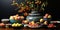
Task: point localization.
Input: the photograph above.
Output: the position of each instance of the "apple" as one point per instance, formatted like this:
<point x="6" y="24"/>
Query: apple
<point x="51" y="25"/>
<point x="31" y="23"/>
<point x="2" y="24"/>
<point x="25" y="14"/>
<point x="21" y="17"/>
<point x="16" y="18"/>
<point x="25" y="21"/>
<point x="11" y="17"/>
<point x="20" y="10"/>
<point x="27" y="8"/>
<point x="45" y="23"/>
<point x="46" y="14"/>
<point x="49" y="16"/>
<point x="41" y="20"/>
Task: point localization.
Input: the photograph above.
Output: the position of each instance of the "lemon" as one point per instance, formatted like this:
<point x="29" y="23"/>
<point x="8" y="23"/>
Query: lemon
<point x="15" y="25"/>
<point x="12" y="25"/>
<point x="19" y="24"/>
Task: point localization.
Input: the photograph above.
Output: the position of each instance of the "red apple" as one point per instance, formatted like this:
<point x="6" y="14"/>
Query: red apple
<point x="51" y="25"/>
<point x="2" y="24"/>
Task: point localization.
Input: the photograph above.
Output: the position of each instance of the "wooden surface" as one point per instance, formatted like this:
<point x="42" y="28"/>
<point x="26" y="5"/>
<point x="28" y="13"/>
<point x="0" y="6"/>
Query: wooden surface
<point x="23" y="29"/>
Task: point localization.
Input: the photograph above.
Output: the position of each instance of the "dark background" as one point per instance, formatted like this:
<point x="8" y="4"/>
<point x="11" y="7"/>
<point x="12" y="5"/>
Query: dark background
<point x="6" y="9"/>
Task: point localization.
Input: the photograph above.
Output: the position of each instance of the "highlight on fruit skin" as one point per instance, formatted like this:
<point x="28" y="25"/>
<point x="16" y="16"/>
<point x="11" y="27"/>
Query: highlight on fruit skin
<point x="16" y="25"/>
<point x="49" y="16"/>
<point x="33" y="24"/>
<point x="41" y="20"/>
<point x="21" y="17"/>
<point x="2" y="24"/>
<point x="46" y="15"/>
<point x="37" y="2"/>
<point x="11" y="17"/>
<point x="45" y="23"/>
<point x="51" y="25"/>
<point x="25" y="21"/>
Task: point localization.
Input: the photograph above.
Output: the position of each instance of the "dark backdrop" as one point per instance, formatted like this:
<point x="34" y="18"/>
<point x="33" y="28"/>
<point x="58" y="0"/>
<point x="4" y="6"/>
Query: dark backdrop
<point x="6" y="9"/>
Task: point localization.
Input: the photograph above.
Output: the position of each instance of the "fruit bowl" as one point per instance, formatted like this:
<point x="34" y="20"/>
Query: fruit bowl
<point x="14" y="21"/>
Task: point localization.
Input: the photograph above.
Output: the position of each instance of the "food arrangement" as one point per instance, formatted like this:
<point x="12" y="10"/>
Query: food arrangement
<point x="30" y="14"/>
<point x="16" y="25"/>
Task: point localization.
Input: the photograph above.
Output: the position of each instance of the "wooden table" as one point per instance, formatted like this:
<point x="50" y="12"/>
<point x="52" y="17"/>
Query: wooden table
<point x="25" y="29"/>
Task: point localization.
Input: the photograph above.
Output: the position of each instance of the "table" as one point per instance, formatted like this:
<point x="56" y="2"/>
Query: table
<point x="25" y="29"/>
